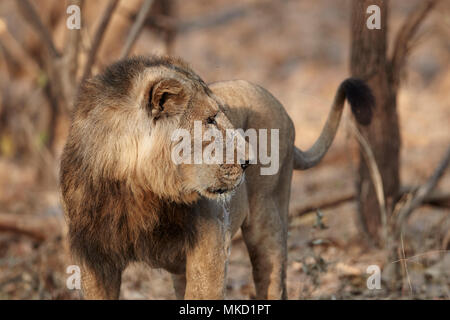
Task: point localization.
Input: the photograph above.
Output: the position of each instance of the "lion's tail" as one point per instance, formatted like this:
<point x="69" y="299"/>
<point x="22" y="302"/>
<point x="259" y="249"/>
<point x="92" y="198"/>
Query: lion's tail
<point x="361" y="100"/>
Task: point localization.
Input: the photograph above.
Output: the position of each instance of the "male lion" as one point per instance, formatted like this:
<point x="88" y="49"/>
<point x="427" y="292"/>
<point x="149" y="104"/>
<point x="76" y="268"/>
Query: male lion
<point x="126" y="200"/>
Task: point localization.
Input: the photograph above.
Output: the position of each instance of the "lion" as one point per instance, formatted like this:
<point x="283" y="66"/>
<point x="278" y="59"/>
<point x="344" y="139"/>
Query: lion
<point x="125" y="200"/>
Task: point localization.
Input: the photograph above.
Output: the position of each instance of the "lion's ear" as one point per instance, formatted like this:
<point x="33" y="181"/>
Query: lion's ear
<point x="166" y="97"/>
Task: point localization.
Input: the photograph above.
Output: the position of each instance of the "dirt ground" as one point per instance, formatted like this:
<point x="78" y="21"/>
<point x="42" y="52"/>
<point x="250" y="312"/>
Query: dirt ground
<point x="298" y="50"/>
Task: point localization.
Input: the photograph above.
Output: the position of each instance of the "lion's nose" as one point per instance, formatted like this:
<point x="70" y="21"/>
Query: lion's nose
<point x="245" y="164"/>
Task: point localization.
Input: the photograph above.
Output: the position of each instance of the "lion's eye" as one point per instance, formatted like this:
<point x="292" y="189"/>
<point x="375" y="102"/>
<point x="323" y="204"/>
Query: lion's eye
<point x="211" y="120"/>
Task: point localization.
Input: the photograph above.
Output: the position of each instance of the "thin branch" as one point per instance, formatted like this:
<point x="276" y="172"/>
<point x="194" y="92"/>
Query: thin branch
<point x="208" y="20"/>
<point x="15" y="52"/>
<point x="136" y="28"/>
<point x="98" y="38"/>
<point x="70" y="64"/>
<point x="375" y="175"/>
<point x="32" y="17"/>
<point x="407" y="32"/>
<point x="435" y="198"/>
<point x="423" y="191"/>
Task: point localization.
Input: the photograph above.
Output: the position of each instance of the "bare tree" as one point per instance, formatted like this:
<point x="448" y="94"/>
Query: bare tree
<point x="62" y="66"/>
<point x="370" y="60"/>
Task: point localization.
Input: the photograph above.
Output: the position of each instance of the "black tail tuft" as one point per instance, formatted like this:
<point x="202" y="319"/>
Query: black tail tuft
<point x="361" y="99"/>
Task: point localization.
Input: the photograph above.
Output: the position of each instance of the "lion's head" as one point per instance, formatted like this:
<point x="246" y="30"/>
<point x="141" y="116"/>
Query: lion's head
<point x="127" y="116"/>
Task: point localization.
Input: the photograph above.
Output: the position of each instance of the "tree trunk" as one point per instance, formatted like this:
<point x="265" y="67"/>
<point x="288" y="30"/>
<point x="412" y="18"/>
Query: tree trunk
<point x="369" y="61"/>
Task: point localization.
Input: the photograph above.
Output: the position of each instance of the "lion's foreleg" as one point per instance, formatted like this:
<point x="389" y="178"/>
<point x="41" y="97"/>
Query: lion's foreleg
<point x="96" y="288"/>
<point x="206" y="263"/>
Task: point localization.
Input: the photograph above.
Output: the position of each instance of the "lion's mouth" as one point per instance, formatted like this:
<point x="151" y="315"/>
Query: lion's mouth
<point x="219" y="190"/>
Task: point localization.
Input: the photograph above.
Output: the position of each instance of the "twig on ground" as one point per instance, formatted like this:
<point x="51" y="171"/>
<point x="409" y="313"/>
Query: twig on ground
<point x="435" y="198"/>
<point x="405" y="265"/>
<point x="324" y="204"/>
<point x="37" y="228"/>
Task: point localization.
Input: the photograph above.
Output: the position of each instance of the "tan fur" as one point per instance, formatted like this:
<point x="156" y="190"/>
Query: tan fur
<point x="126" y="201"/>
